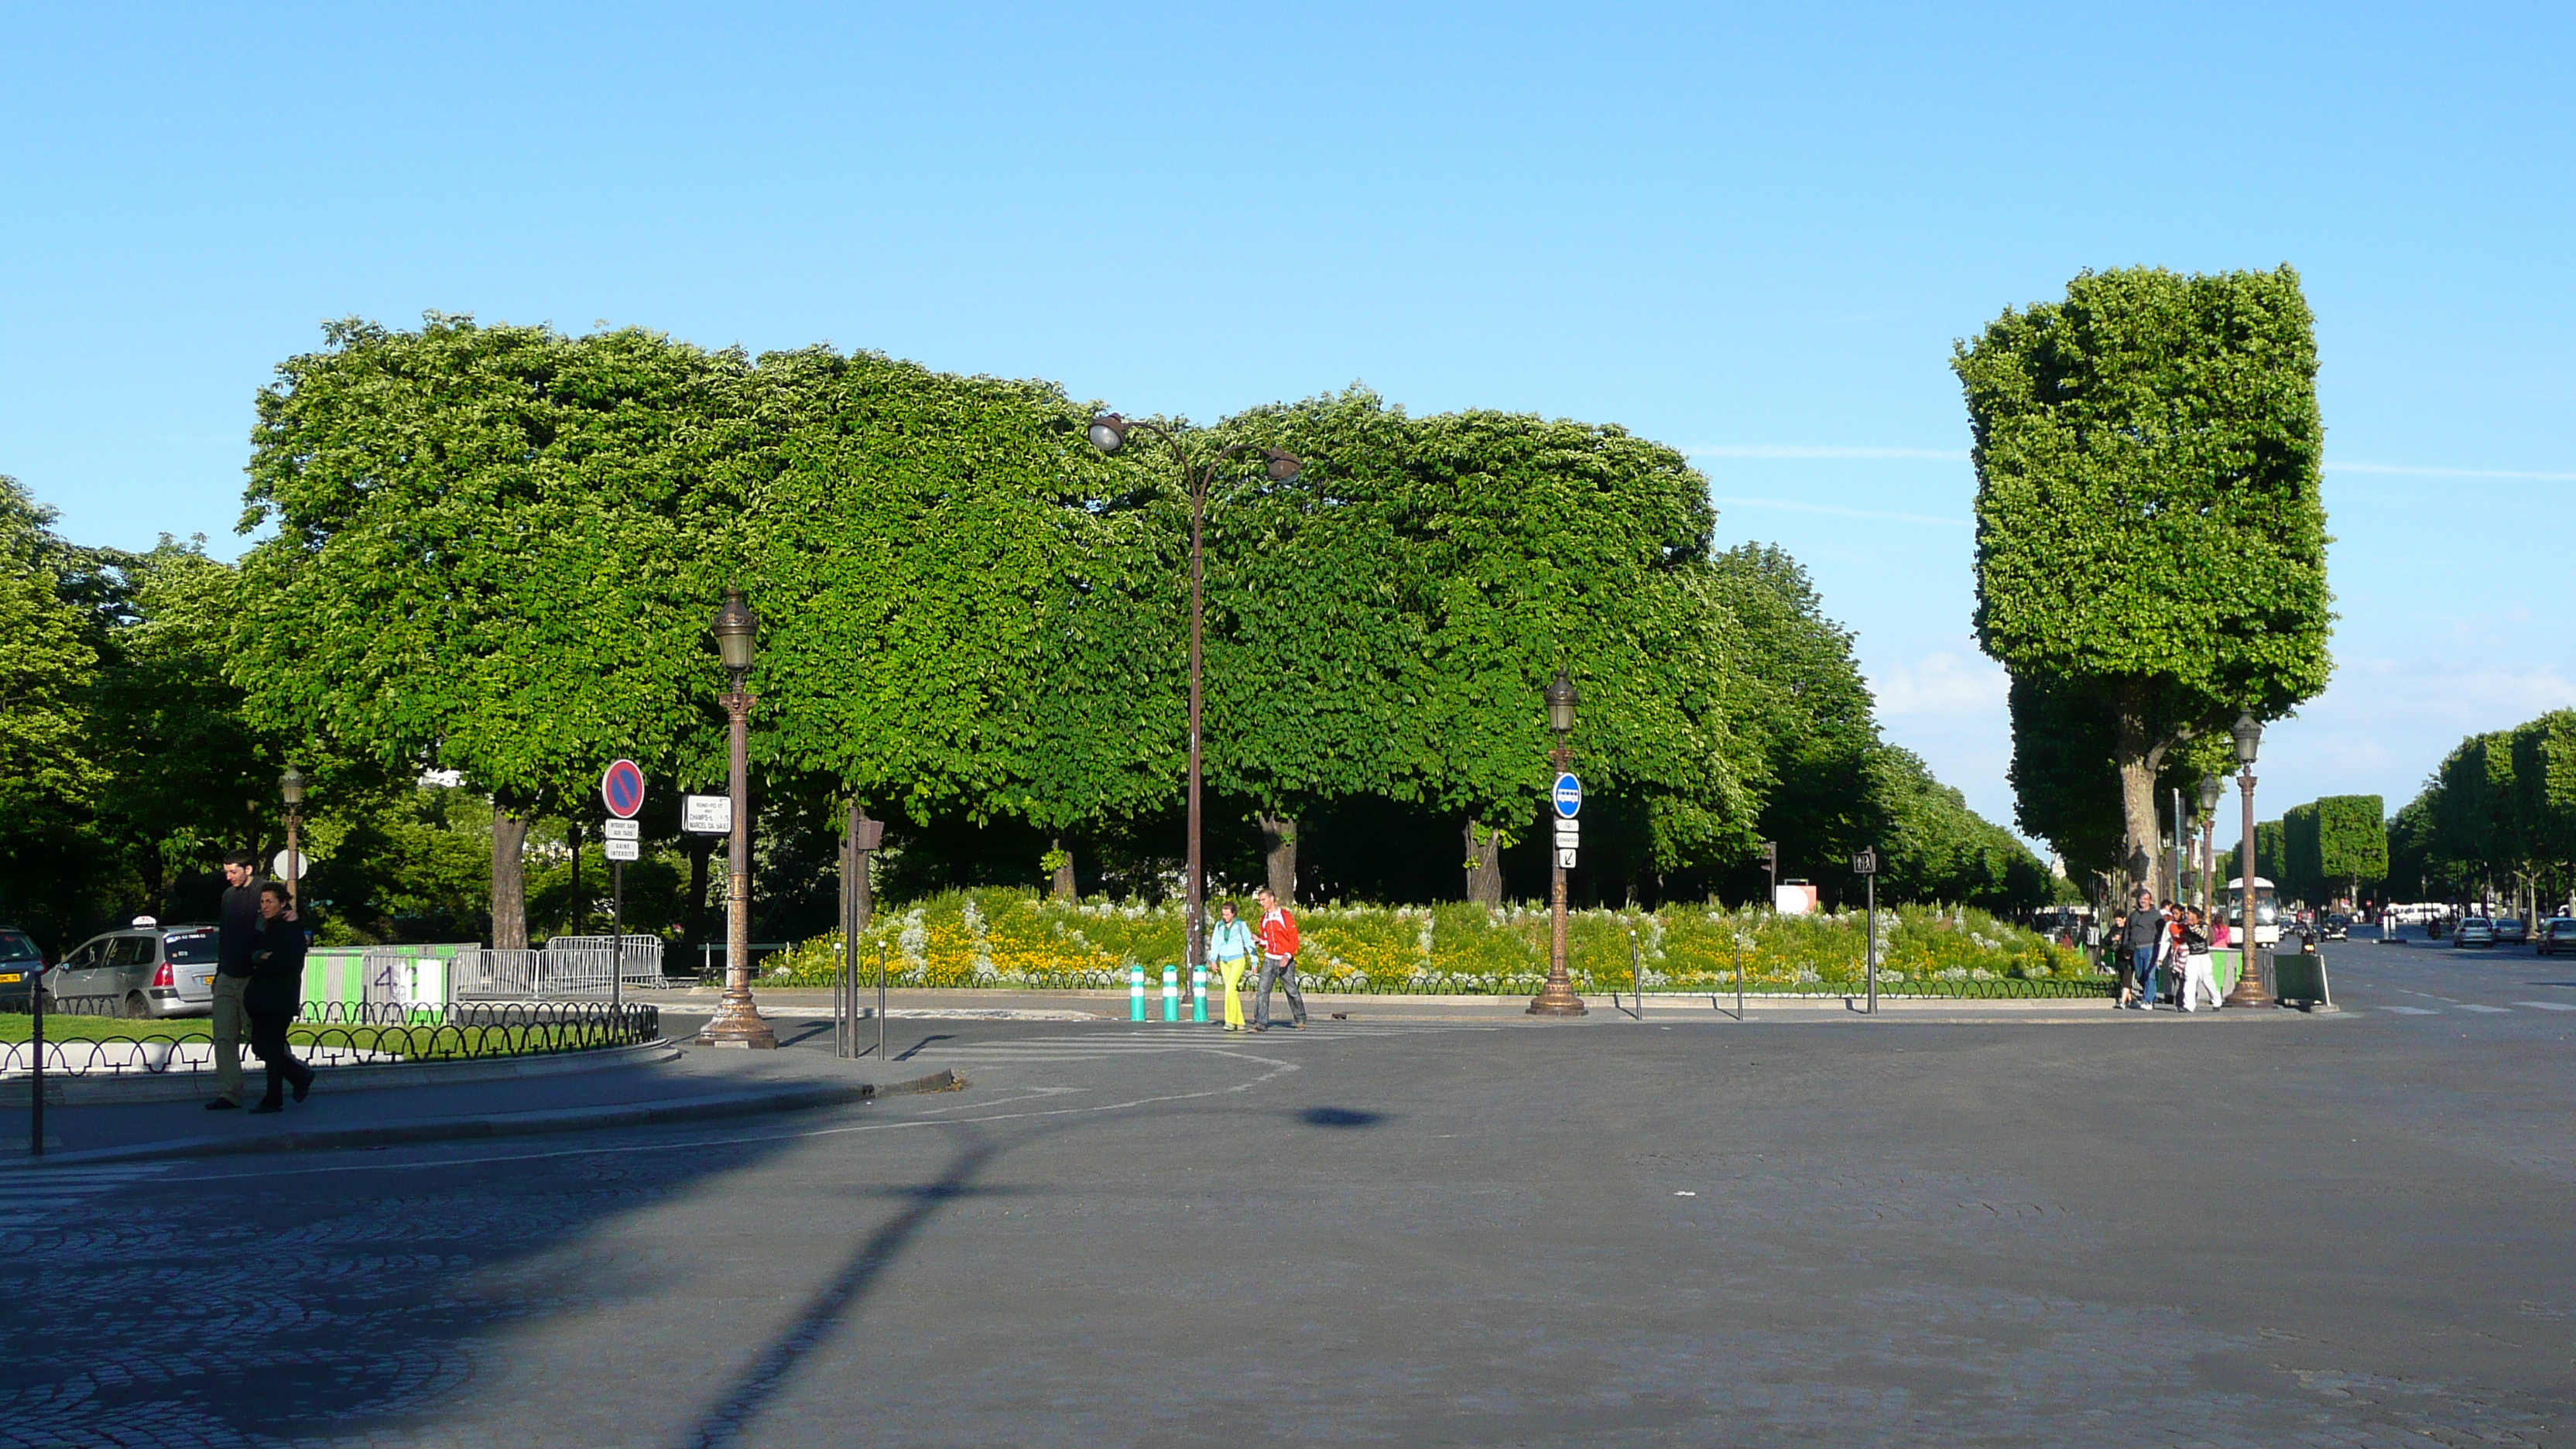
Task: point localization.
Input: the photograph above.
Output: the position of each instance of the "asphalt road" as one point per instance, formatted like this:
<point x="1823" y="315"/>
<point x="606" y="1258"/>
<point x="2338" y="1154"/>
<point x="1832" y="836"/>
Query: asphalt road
<point x="2150" y="1230"/>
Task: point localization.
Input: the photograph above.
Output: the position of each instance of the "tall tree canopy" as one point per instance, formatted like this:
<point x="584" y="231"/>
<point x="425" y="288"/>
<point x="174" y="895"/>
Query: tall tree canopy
<point x="2150" y="534"/>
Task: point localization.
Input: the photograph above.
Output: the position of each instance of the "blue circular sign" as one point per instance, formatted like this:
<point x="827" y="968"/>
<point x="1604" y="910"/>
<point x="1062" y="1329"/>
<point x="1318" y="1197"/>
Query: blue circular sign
<point x="622" y="789"/>
<point x="1569" y="796"/>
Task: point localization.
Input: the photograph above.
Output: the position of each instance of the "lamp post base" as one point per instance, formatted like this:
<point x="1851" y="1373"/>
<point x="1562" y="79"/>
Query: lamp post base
<point x="2249" y="984"/>
<point x="1557" y="998"/>
<point x="737" y="1023"/>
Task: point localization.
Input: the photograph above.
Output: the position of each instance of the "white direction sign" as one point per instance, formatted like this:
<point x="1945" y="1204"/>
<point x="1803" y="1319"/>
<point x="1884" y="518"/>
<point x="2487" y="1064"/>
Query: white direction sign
<point x="620" y="830"/>
<point x="1569" y="834"/>
<point x="300" y="861"/>
<point x="706" y="814"/>
<point x="622" y="850"/>
<point x="1564" y="859"/>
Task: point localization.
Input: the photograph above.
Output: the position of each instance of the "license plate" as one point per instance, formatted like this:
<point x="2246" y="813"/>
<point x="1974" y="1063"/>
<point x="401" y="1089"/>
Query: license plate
<point x="13" y="975"/>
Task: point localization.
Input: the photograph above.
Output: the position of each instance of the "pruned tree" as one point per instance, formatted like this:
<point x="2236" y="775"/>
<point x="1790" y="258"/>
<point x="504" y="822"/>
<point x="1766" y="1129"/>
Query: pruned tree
<point x="2150" y="535"/>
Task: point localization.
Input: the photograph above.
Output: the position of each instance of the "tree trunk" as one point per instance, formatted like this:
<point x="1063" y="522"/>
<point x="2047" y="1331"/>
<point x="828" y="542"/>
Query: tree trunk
<point x="866" y="884"/>
<point x="1061" y="885"/>
<point x="2139" y="758"/>
<point x="1279" y="856"/>
<point x="509" y="876"/>
<point x="1484" y="865"/>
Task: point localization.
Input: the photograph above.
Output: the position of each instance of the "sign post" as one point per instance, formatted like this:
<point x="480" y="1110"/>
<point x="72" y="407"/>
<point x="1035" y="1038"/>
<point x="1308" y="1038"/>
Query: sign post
<point x="1865" y="865"/>
<point x="622" y="791"/>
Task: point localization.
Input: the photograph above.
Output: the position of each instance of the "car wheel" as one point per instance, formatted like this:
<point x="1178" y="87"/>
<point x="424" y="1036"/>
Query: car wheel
<point x="136" y="1008"/>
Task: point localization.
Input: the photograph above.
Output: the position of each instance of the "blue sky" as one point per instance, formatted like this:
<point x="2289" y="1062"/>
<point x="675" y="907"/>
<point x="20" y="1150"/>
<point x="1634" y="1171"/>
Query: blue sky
<point x="1751" y="232"/>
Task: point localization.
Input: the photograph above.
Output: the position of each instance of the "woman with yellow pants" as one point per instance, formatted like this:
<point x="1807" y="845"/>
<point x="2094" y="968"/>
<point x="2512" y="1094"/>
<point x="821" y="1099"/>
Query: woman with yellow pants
<point x="1230" y="946"/>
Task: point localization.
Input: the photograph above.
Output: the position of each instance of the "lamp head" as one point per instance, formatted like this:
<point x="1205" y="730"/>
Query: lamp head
<point x="2249" y="736"/>
<point x="1282" y="464"/>
<point x="1108" y="432"/>
<point x="2210" y="786"/>
<point x="290" y="784"/>
<point x="735" y="627"/>
<point x="1561" y="700"/>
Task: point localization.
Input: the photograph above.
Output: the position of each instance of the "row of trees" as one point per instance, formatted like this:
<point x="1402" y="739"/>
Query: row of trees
<point x="494" y="552"/>
<point x="2327" y="849"/>
<point x="2497" y="820"/>
<point x="2150" y="541"/>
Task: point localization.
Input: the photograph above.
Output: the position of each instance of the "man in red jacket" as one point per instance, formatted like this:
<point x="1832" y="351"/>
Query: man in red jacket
<point x="1278" y="934"/>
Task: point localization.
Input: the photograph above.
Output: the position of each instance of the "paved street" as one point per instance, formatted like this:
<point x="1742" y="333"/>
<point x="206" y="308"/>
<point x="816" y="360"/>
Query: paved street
<point x="2125" y="1230"/>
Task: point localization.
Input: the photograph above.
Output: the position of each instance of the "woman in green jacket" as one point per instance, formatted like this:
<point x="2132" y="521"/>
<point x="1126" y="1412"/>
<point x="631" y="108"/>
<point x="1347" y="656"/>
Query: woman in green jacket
<point x="274" y="995"/>
<point x="1231" y="948"/>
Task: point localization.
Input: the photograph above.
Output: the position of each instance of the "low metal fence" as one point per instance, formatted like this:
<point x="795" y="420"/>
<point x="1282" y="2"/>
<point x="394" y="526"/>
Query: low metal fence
<point x="335" y="1033"/>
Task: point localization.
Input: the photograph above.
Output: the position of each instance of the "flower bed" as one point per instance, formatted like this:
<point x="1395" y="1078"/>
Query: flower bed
<point x="1001" y="938"/>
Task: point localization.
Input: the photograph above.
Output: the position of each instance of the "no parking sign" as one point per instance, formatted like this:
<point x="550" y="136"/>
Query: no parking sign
<point x="622" y="789"/>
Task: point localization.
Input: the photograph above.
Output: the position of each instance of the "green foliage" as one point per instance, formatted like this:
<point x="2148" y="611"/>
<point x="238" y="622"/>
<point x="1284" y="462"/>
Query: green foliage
<point x="2501" y="807"/>
<point x="1010" y="939"/>
<point x="2352" y="839"/>
<point x="2150" y="535"/>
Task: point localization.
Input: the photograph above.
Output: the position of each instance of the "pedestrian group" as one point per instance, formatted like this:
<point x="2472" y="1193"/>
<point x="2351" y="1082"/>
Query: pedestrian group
<point x="2167" y="945"/>
<point x="258" y="986"/>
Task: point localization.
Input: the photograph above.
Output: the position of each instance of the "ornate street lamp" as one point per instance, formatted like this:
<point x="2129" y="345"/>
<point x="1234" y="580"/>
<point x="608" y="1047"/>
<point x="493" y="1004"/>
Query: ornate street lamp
<point x="737" y="1021"/>
<point x="2210" y="789"/>
<point x="2249" y="979"/>
<point x="290" y="787"/>
<point x="1108" y="433"/>
<point x="1557" y="997"/>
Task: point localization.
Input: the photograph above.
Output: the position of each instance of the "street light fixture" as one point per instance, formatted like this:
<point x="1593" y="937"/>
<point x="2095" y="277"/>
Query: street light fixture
<point x="290" y="787"/>
<point x="1557" y="997"/>
<point x="1108" y="432"/>
<point x="737" y="1022"/>
<point x="2248" y="991"/>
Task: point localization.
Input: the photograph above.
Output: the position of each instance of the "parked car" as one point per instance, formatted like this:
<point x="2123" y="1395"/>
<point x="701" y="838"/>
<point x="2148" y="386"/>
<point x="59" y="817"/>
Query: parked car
<point x="2556" y="934"/>
<point x="141" y="971"/>
<point x="2509" y="931"/>
<point x="21" y="962"/>
<point x="2473" y="931"/>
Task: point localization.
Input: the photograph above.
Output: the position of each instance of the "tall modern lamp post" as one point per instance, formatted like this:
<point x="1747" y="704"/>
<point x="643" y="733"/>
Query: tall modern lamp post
<point x="290" y="786"/>
<point x="1557" y="997"/>
<point x="2249" y="979"/>
<point x="2211" y="787"/>
<point x="1109" y="433"/>
<point x="737" y="1021"/>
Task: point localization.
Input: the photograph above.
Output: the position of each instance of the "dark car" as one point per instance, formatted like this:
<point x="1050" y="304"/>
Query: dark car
<point x="2337" y="927"/>
<point x="2556" y="934"/>
<point x="20" y="964"/>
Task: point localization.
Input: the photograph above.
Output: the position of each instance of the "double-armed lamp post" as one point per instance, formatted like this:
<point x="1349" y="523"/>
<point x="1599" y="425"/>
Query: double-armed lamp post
<point x="1557" y="997"/>
<point x="2249" y="979"/>
<point x="1109" y="433"/>
<point x="737" y="1022"/>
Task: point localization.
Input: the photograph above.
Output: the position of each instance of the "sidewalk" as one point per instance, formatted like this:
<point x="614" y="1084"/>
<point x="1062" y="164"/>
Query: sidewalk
<point x="684" y="1085"/>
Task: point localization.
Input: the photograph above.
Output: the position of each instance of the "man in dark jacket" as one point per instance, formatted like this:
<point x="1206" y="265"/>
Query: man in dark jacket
<point x="236" y="937"/>
<point x="2142" y="936"/>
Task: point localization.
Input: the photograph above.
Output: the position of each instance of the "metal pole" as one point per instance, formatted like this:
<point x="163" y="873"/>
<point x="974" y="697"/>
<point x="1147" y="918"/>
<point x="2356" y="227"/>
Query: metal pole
<point x="1557" y="997"/>
<point x="294" y="863"/>
<point x="2249" y="980"/>
<point x="1192" y="947"/>
<point x="881" y="993"/>
<point x="737" y="1021"/>
<point x="1637" y="975"/>
<point x="1872" y="878"/>
<point x="616" y="935"/>
<point x="36" y="1114"/>
<point x="1739" y="978"/>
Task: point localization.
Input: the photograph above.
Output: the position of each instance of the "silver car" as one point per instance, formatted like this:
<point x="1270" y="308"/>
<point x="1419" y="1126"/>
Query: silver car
<point x="2474" y="931"/>
<point x="143" y="971"/>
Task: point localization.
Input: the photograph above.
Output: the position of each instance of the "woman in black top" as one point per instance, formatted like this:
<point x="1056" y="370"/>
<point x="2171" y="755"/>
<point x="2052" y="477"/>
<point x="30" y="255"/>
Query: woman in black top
<point x="275" y="993"/>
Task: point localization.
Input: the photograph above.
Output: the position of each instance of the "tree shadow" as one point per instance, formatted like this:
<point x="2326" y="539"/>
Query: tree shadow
<point x="1339" y="1117"/>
